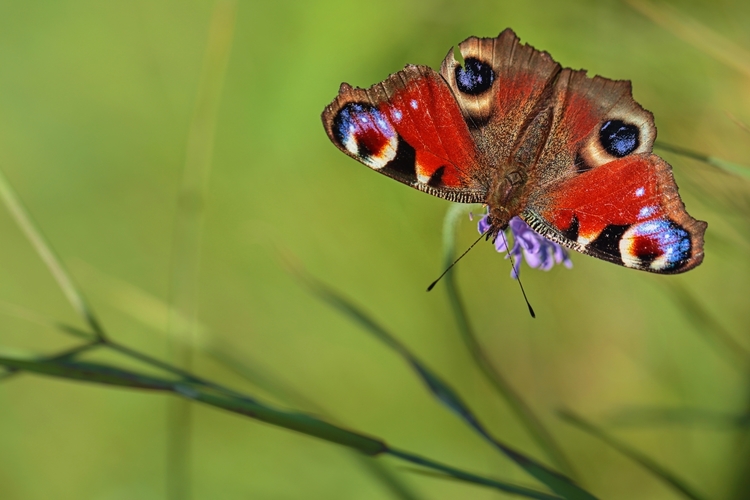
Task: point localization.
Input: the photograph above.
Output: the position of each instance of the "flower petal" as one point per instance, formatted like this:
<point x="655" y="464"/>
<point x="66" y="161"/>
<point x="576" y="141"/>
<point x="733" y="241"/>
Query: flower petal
<point x="538" y="251"/>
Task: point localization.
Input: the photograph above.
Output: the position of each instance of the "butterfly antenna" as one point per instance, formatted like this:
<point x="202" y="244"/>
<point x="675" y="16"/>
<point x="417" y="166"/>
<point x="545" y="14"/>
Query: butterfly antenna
<point x="432" y="285"/>
<point x="518" y="276"/>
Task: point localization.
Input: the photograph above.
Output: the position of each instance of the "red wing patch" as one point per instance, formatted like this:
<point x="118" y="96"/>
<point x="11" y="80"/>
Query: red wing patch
<point x="620" y="193"/>
<point x="409" y="127"/>
<point x="626" y="211"/>
<point x="426" y="116"/>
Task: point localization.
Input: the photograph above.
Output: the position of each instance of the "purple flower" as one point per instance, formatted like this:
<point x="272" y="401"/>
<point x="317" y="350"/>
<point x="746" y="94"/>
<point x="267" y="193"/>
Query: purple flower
<point x="539" y="252"/>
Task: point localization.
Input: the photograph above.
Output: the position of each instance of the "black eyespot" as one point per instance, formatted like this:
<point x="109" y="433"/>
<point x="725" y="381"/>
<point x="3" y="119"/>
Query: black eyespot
<point x="619" y="138"/>
<point x="474" y="77"/>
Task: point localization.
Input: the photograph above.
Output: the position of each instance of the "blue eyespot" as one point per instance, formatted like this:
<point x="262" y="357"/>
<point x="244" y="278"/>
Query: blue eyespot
<point x="356" y="119"/>
<point x="619" y="138"/>
<point x="365" y="133"/>
<point x="660" y="244"/>
<point x="475" y="77"/>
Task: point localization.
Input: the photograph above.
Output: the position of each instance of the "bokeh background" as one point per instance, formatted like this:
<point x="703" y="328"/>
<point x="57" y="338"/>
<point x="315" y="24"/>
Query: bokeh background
<point x="105" y="105"/>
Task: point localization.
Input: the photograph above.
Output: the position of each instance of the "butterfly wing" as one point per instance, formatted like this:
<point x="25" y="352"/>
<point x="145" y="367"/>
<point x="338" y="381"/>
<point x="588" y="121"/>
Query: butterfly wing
<point x="583" y="146"/>
<point x="409" y="127"/>
<point x="598" y="189"/>
<point x="626" y="211"/>
<point x="502" y="87"/>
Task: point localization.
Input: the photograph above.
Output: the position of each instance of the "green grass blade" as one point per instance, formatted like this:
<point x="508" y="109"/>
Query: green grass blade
<point x="62" y="356"/>
<point x="646" y="416"/>
<point x="107" y="375"/>
<point x="88" y="372"/>
<point x="523" y="411"/>
<point x="726" y="166"/>
<point x="243" y="405"/>
<point x="42" y="247"/>
<point x="448" y="477"/>
<point x="472" y="478"/>
<point x="695" y="33"/>
<point x="657" y="470"/>
<point x="299" y="422"/>
<point x="188" y="230"/>
<point x="263" y="378"/>
<point x="732" y="168"/>
<point x="555" y="481"/>
<point x="705" y="323"/>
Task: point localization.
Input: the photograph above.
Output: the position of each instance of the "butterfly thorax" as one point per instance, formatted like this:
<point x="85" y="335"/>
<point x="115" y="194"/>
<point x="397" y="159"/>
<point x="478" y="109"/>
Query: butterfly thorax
<point x="506" y="197"/>
<point x="506" y="194"/>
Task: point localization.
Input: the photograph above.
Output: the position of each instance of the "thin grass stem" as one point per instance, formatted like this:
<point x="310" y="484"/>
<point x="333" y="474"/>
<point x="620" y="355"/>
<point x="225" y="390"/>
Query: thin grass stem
<point x="42" y="247"/>
<point x="262" y="378"/>
<point x="695" y="33"/>
<point x="523" y="411"/>
<point x="188" y="229"/>
<point x="655" y="469"/>
<point x="723" y="165"/>
<point x="459" y="474"/>
<point x="61" y="366"/>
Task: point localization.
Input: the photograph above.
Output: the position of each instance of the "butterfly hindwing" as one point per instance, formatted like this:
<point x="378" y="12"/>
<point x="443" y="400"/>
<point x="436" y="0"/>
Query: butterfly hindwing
<point x="626" y="211"/>
<point x="595" y="121"/>
<point x="409" y="127"/>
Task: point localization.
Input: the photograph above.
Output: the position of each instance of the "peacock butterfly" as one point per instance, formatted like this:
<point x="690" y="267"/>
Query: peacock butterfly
<point x="511" y="128"/>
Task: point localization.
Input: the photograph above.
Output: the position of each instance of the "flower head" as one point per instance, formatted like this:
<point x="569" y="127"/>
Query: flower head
<point x="538" y="251"/>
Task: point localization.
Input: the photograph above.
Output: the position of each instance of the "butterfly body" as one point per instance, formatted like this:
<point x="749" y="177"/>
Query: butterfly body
<point x="510" y="128"/>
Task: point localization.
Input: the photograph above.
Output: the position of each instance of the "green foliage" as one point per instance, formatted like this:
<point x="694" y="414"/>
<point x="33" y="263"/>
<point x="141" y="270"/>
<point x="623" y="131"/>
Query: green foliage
<point x="171" y="152"/>
<point x="447" y="395"/>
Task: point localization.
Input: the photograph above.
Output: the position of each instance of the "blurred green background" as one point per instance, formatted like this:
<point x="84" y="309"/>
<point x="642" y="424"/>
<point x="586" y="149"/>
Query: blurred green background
<point x="97" y="104"/>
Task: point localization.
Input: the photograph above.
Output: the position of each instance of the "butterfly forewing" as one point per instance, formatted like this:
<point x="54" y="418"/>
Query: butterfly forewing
<point x="409" y="127"/>
<point x="500" y="86"/>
